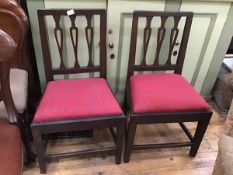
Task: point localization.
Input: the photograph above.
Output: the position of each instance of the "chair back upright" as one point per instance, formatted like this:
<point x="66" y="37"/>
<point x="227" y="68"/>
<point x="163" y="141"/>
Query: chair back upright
<point x="176" y="38"/>
<point x="53" y="28"/>
<point x="7" y="51"/>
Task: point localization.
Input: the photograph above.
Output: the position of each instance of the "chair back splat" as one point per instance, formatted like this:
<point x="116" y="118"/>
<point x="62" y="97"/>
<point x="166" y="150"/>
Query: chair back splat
<point x="74" y="35"/>
<point x="175" y="34"/>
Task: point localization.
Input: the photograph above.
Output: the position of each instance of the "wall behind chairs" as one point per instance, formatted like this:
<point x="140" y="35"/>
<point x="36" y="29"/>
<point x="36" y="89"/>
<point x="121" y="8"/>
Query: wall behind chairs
<point x="210" y="35"/>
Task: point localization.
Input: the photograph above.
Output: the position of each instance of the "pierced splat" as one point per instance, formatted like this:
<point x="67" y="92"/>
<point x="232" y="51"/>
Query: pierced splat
<point x="73" y="34"/>
<point x="59" y="33"/>
<point x="146" y="39"/>
<point x="173" y="38"/>
<point x="160" y="38"/>
<point x="89" y="38"/>
<point x="74" y="39"/>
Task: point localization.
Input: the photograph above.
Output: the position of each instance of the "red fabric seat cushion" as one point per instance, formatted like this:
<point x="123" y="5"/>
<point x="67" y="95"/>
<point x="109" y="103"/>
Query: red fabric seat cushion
<point x="164" y="93"/>
<point x="77" y="98"/>
<point x="11" y="149"/>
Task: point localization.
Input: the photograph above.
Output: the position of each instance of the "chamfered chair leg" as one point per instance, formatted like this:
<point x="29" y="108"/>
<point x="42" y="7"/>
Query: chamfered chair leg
<point x="39" y="145"/>
<point x="119" y="142"/>
<point x="199" y="134"/>
<point x="129" y="140"/>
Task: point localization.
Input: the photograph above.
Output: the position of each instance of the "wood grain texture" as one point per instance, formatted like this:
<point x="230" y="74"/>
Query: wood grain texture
<point x="154" y="162"/>
<point x="13" y="21"/>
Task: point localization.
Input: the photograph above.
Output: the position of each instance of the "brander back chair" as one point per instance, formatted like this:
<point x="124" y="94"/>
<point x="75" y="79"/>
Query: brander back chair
<point x="75" y="104"/>
<point x="14" y="22"/>
<point x="163" y="97"/>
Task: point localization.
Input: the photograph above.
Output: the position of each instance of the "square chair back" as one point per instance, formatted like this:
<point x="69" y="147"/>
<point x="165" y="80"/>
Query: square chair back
<point x="168" y="33"/>
<point x="62" y="35"/>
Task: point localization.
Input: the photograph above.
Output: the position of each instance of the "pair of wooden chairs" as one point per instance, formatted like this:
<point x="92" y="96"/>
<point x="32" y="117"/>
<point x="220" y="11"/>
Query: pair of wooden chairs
<point x="79" y="104"/>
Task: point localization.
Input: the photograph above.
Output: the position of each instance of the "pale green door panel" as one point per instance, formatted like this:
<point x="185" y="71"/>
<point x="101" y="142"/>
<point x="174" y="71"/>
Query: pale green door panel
<point x="221" y="49"/>
<point x="206" y="46"/>
<point x="209" y="21"/>
<point x="120" y="21"/>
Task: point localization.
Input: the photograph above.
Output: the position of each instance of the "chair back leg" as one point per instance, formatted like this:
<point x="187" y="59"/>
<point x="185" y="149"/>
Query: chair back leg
<point x="199" y="134"/>
<point x="119" y="142"/>
<point x="40" y="149"/>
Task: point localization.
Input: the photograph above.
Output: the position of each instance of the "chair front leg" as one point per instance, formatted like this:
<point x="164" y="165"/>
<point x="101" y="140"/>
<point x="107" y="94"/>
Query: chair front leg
<point x="25" y="134"/>
<point x="119" y="142"/>
<point x="129" y="140"/>
<point x="199" y="134"/>
<point x="40" y="150"/>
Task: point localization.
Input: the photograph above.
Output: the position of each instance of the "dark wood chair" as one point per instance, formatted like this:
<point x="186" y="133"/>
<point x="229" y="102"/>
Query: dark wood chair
<point x="76" y="104"/>
<point x="163" y="97"/>
<point x="11" y="149"/>
<point x="14" y="22"/>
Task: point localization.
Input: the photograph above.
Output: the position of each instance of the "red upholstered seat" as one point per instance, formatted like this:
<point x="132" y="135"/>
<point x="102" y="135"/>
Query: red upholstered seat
<point x="77" y="98"/>
<point x="164" y="93"/>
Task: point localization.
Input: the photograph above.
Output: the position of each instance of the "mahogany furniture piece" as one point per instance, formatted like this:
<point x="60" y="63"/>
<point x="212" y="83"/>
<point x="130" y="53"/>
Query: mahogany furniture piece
<point x="11" y="149"/>
<point x="14" y="22"/>
<point x="26" y="60"/>
<point x="75" y="104"/>
<point x="163" y="97"/>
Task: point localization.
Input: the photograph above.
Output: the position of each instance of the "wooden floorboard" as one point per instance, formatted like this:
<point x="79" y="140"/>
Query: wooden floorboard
<point x="173" y="161"/>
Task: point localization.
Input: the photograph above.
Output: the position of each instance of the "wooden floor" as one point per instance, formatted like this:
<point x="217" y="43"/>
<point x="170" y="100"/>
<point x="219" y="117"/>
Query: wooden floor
<point x="151" y="162"/>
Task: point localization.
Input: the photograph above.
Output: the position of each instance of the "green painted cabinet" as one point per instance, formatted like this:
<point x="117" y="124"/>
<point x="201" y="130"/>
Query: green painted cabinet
<point x="210" y="36"/>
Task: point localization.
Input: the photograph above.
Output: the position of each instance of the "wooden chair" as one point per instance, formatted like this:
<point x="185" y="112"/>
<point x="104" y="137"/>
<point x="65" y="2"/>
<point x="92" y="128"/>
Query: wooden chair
<point x="11" y="149"/>
<point x="163" y="97"/>
<point x="75" y="104"/>
<point x="14" y="22"/>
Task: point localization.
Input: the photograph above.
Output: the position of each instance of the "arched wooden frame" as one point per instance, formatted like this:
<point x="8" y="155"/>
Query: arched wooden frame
<point x="7" y="52"/>
<point x="13" y="11"/>
<point x="5" y="68"/>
